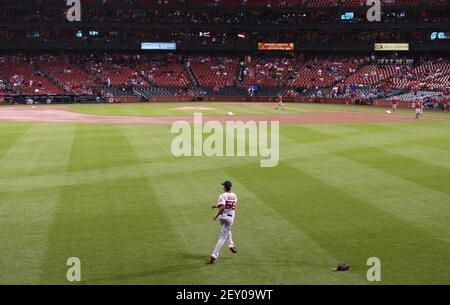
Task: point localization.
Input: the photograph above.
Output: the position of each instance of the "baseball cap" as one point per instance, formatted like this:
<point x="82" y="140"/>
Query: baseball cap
<point x="227" y="184"/>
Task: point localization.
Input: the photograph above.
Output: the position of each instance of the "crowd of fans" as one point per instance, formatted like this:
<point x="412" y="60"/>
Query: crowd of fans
<point x="331" y="76"/>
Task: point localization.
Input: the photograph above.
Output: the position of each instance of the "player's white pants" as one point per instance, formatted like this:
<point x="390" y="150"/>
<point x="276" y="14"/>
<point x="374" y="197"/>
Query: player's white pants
<point x="225" y="234"/>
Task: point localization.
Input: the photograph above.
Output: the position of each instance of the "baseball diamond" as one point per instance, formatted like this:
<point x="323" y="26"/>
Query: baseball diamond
<point x="114" y="196"/>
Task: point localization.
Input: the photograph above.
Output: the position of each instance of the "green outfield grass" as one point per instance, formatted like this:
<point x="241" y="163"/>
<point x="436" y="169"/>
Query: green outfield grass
<point x="171" y="109"/>
<point x="115" y="197"/>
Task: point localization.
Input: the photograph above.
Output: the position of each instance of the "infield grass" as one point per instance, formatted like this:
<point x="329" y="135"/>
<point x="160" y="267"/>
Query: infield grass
<point x="214" y="108"/>
<point x="115" y="197"/>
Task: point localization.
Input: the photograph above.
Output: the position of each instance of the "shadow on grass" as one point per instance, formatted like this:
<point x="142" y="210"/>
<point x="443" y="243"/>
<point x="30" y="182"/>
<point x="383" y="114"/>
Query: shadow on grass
<point x="188" y="262"/>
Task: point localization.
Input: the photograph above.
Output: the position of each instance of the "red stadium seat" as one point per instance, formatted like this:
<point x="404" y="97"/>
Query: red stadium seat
<point x="215" y="71"/>
<point x="25" y="77"/>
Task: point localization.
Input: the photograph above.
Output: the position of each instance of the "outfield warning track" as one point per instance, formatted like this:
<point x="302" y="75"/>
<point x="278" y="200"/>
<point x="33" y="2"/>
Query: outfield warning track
<point x="54" y="115"/>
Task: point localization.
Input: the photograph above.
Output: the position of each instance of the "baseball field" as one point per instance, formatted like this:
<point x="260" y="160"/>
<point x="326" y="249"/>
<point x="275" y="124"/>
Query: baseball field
<point x="88" y="181"/>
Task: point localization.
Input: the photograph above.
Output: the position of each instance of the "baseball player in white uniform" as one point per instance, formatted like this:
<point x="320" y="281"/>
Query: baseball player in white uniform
<point x="227" y="207"/>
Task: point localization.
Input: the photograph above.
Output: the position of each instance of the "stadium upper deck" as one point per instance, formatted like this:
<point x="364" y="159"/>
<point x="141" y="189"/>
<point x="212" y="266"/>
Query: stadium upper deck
<point x="232" y="3"/>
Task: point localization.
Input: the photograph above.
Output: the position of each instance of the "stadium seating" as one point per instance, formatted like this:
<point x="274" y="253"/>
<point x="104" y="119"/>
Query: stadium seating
<point x="72" y="77"/>
<point x="413" y="95"/>
<point x="370" y="75"/>
<point x="165" y="74"/>
<point x="433" y="75"/>
<point x="113" y="73"/>
<point x="321" y="72"/>
<point x="267" y="71"/>
<point x="215" y="71"/>
<point x="25" y="78"/>
<point x="148" y="91"/>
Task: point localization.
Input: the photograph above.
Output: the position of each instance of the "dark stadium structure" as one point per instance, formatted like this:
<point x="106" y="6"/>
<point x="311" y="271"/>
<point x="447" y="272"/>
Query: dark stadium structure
<point x="194" y="50"/>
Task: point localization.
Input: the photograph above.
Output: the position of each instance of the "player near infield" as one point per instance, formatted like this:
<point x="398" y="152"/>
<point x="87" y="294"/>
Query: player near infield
<point x="279" y="100"/>
<point x="227" y="207"/>
<point x="419" y="109"/>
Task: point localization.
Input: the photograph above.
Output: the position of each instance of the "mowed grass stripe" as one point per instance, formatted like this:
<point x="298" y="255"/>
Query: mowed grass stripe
<point x="297" y="143"/>
<point x="294" y="144"/>
<point x="416" y="170"/>
<point x="429" y="170"/>
<point x="177" y="203"/>
<point x="114" y="226"/>
<point x="114" y="173"/>
<point x="422" y="153"/>
<point x="150" y="144"/>
<point x="413" y="203"/>
<point x="37" y="151"/>
<point x="312" y="133"/>
<point x="117" y="231"/>
<point x="25" y="217"/>
<point x="436" y="142"/>
<point x="152" y="157"/>
<point x="99" y="147"/>
<point x="409" y="159"/>
<point x="9" y="134"/>
<point x="348" y="228"/>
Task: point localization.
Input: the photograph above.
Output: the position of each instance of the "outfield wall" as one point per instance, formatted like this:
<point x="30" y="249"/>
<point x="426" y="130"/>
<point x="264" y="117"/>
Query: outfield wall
<point x="387" y="103"/>
<point x="124" y="99"/>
